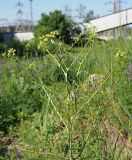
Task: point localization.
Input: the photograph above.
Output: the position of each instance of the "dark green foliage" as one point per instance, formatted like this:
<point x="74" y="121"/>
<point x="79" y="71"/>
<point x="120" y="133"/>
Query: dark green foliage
<point x="18" y="46"/>
<point x="56" y="21"/>
<point x="89" y="16"/>
<point x="3" y="47"/>
<point x="1" y="38"/>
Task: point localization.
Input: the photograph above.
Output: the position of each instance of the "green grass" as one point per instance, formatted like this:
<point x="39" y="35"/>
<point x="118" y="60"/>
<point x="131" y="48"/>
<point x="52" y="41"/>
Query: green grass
<point x="51" y="110"/>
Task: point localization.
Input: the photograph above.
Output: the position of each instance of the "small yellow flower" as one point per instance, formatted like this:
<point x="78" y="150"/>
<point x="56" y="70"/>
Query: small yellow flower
<point x="32" y="66"/>
<point x="55" y="33"/>
<point x="45" y="39"/>
<point x="76" y="39"/>
<point x="11" y="52"/>
<point x="60" y="44"/>
<point x="12" y="71"/>
<point x="52" y="41"/>
<point x="29" y="44"/>
<point x="120" y="54"/>
<point x="92" y="32"/>
<point x="117" y="55"/>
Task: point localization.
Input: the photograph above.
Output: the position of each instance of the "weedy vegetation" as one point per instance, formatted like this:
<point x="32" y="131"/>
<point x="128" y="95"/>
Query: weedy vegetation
<point x="71" y="102"/>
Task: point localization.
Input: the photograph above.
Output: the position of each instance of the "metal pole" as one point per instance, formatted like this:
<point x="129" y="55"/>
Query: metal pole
<point x="31" y="13"/>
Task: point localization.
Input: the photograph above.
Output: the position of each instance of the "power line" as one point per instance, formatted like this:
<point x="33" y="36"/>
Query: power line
<point x="116" y="5"/>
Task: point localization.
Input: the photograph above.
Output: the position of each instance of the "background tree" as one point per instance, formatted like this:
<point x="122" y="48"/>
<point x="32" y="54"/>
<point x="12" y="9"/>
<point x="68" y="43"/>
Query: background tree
<point x="55" y="21"/>
<point x="84" y="15"/>
<point x="81" y="11"/>
<point x="89" y="16"/>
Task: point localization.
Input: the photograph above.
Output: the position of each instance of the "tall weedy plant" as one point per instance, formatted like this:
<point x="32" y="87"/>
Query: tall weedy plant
<point x="79" y="115"/>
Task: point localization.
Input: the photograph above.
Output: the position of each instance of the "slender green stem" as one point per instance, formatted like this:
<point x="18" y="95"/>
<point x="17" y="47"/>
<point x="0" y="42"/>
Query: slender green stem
<point x="92" y="96"/>
<point x="78" y="55"/>
<point x="43" y="87"/>
<point x="82" y="62"/>
<point x="70" y="139"/>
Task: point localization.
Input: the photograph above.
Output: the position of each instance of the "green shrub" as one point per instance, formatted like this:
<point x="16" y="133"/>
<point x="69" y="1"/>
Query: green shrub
<point x="18" y="46"/>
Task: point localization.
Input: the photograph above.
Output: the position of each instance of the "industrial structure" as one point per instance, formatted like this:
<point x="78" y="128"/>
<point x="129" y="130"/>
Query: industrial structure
<point x="116" y="5"/>
<point x="20" y="24"/>
<point x="107" y="27"/>
<point x="111" y="21"/>
<point x="20" y="28"/>
<point x="112" y="25"/>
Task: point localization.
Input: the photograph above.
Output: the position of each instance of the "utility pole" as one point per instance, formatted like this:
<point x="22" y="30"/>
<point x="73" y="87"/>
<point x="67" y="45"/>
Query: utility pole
<point x="31" y="13"/>
<point x="120" y="2"/>
<point x="116" y="5"/>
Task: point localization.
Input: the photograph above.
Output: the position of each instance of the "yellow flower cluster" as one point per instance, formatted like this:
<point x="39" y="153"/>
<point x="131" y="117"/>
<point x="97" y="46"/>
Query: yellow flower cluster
<point x="92" y="29"/>
<point x="92" y="32"/>
<point x="30" y="44"/>
<point x="76" y="38"/>
<point x="32" y="66"/>
<point x="10" y="53"/>
<point x="47" y="38"/>
<point x="120" y="54"/>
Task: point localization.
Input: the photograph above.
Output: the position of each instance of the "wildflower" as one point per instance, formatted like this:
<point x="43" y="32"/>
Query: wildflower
<point x="60" y="44"/>
<point x="92" y="32"/>
<point x="12" y="71"/>
<point x="54" y="33"/>
<point x="76" y="39"/>
<point x="120" y="54"/>
<point x="11" y="52"/>
<point x="52" y="41"/>
<point x="29" y="44"/>
<point x="43" y="40"/>
<point x="41" y="45"/>
<point x="92" y="29"/>
<point x="32" y="66"/>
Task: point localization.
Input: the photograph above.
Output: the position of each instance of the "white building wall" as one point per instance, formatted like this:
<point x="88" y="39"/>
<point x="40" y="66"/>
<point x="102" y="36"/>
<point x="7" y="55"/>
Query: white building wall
<point x="129" y="16"/>
<point x="23" y="36"/>
<point x="113" y="20"/>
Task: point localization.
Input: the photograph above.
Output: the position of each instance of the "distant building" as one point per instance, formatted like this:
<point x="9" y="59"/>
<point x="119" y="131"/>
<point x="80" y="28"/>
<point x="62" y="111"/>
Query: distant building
<point x="22" y="36"/>
<point x="108" y="26"/>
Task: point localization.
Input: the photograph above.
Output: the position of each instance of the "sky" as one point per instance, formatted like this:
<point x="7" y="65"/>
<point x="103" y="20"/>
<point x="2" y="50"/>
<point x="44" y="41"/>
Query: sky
<point x="8" y="8"/>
